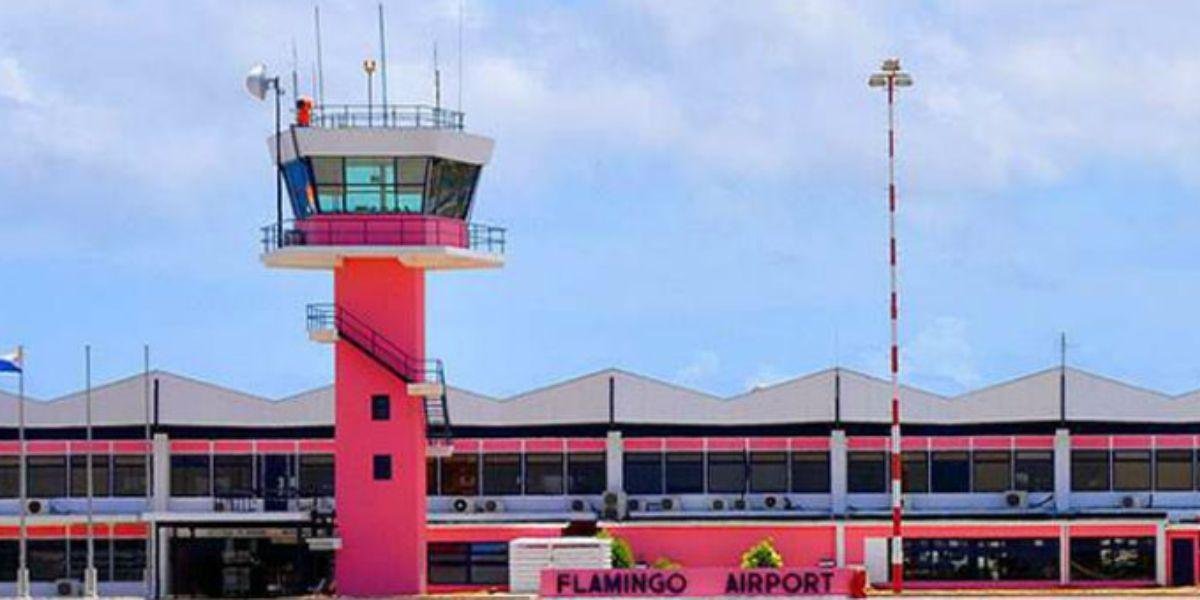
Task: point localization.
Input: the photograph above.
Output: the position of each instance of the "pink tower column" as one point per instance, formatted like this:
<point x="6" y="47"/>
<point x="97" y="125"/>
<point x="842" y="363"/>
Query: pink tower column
<point x="381" y="523"/>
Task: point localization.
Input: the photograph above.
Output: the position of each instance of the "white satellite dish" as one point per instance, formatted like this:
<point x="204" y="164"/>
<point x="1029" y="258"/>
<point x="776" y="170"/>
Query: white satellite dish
<point x="257" y="82"/>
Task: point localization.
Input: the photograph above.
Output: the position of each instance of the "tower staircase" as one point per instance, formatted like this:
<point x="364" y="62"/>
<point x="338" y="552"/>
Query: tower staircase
<point x="425" y="378"/>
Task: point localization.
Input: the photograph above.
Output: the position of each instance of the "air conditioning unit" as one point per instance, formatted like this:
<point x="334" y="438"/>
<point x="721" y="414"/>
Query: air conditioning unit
<point x="580" y="505"/>
<point x="613" y="505"/>
<point x="462" y="505"/>
<point x="306" y="504"/>
<point x="491" y="505"/>
<point x="773" y="502"/>
<point x="632" y="504"/>
<point x="37" y="506"/>
<point x="1132" y="501"/>
<point x="1016" y="499"/>
<point x="326" y="506"/>
<point x="222" y="505"/>
<point x="68" y="587"/>
<point x="670" y="504"/>
<point x="718" y="504"/>
<point x="738" y="504"/>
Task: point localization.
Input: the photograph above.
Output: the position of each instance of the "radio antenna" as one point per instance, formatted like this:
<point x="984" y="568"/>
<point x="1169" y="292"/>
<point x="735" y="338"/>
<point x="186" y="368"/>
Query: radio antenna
<point x="295" y="66"/>
<point x="437" y="79"/>
<point x="320" y="66"/>
<point x="460" y="55"/>
<point x="383" y="76"/>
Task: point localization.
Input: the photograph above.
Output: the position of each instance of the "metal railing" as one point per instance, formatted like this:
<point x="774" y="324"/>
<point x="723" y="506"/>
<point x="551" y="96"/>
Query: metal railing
<point x="324" y="316"/>
<point x="370" y="231"/>
<point x="394" y="116"/>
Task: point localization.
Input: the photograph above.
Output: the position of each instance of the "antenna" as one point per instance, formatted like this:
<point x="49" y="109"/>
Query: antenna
<point x="383" y="78"/>
<point x="460" y="55"/>
<point x="320" y="67"/>
<point x="1062" y="377"/>
<point x="295" y="76"/>
<point x="437" y="80"/>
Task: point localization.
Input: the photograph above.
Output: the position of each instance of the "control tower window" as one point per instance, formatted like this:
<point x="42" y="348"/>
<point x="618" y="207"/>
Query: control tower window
<point x="450" y="189"/>
<point x="370" y="185"/>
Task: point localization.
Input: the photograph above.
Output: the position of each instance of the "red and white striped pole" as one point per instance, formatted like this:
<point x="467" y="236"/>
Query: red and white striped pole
<point x="891" y="77"/>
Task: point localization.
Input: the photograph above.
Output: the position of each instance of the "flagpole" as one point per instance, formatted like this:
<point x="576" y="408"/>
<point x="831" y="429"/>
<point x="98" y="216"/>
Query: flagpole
<point x="90" y="574"/>
<point x="150" y="531"/>
<point x="23" y="590"/>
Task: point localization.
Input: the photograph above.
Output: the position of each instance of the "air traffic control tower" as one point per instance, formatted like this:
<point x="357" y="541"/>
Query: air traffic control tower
<point x="379" y="196"/>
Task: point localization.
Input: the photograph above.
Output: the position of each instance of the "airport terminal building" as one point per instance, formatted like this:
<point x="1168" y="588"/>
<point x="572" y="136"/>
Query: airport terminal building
<point x="1060" y="477"/>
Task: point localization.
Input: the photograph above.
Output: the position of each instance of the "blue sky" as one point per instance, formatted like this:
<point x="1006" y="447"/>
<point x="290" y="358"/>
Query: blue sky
<point x="693" y="191"/>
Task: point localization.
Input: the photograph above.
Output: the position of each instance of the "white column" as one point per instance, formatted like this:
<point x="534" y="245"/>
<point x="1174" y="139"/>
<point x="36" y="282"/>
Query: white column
<point x="614" y="465"/>
<point x="837" y="471"/>
<point x="162" y="472"/>
<point x="1062" y="470"/>
<point x="164" y="564"/>
<point x="839" y="537"/>
<point x="1160" y="553"/>
<point x="1064" y="554"/>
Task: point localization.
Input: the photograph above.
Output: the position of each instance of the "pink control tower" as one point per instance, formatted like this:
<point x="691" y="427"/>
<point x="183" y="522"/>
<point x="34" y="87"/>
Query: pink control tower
<point x="380" y="195"/>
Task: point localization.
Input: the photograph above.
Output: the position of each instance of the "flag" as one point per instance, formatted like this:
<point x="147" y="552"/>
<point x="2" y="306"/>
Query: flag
<point x="11" y="362"/>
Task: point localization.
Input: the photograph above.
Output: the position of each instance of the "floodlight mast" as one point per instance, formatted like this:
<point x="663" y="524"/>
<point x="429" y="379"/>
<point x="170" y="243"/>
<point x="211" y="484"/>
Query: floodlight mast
<point x="891" y="77"/>
<point x="257" y="84"/>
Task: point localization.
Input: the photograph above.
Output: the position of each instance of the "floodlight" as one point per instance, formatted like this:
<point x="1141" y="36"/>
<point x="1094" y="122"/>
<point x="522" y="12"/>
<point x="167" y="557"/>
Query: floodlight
<point x="257" y="82"/>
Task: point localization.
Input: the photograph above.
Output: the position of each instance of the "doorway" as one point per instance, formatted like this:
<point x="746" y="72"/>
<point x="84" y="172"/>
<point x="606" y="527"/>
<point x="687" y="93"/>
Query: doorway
<point x="1183" y="561"/>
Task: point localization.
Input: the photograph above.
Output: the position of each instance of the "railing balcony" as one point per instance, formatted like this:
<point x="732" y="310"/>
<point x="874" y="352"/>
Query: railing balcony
<point x="391" y="116"/>
<point x="398" y="230"/>
<point x="322" y="317"/>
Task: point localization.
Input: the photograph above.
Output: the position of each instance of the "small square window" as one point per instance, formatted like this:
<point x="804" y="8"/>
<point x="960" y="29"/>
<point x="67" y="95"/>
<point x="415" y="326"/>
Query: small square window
<point x="382" y="466"/>
<point x="381" y="407"/>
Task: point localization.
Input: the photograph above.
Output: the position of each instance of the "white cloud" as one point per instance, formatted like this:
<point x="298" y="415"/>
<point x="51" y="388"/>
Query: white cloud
<point x="941" y="352"/>
<point x="13" y="85"/>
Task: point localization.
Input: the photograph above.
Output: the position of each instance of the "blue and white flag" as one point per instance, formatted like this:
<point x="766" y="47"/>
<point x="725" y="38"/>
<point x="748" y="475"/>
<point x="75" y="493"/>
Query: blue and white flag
<point x="10" y="362"/>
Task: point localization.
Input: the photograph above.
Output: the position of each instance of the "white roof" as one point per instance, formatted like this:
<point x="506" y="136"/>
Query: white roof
<point x="641" y="400"/>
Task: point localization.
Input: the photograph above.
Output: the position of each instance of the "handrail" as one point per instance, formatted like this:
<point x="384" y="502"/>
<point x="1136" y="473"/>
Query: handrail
<point x="414" y="370"/>
<point x="372" y="231"/>
<point x="393" y="116"/>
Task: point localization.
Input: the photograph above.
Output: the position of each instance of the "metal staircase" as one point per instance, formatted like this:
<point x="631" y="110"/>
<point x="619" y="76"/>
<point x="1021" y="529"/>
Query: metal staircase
<point x="426" y="378"/>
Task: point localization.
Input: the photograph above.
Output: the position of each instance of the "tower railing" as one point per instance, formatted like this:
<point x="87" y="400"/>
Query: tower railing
<point x="422" y="230"/>
<point x="392" y="116"/>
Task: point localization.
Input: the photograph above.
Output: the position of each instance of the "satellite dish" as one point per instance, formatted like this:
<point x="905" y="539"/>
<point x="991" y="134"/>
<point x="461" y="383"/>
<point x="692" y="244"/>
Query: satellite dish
<point x="257" y="82"/>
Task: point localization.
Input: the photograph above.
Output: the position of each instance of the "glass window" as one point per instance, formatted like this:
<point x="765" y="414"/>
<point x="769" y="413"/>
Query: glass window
<point x="327" y="170"/>
<point x="586" y="473"/>
<point x="1173" y="470"/>
<point x="233" y="475"/>
<point x="47" y="559"/>
<point x="77" y="550"/>
<point x="316" y="475"/>
<point x="381" y="407"/>
<point x="950" y="473"/>
<point x="431" y="476"/>
<point x="412" y="170"/>
<point x="370" y="172"/>
<point x="79" y="475"/>
<point x="544" y="474"/>
<point x="644" y="472"/>
<point x="10" y="477"/>
<point x="1015" y="559"/>
<point x="381" y="467"/>
<point x="489" y="564"/>
<point x="450" y="188"/>
<point x="915" y="475"/>
<point x="1089" y="470"/>
<point x="449" y="563"/>
<point x="1131" y="470"/>
<point x="866" y="472"/>
<point x="768" y="472"/>
<point x="331" y="199"/>
<point x="685" y="473"/>
<point x="9" y="559"/>
<point x="1033" y="471"/>
<point x="460" y="475"/>
<point x="992" y="471"/>
<point x="47" y="476"/>
<point x="726" y="472"/>
<point x="501" y="474"/>
<point x="479" y="563"/>
<point x="189" y="476"/>
<point x="810" y="472"/>
<point x="129" y="560"/>
<point x="1110" y="559"/>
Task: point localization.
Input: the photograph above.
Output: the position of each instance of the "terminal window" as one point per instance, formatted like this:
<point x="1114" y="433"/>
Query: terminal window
<point x="1111" y="559"/>
<point x="810" y="472"/>
<point x="866" y="472"/>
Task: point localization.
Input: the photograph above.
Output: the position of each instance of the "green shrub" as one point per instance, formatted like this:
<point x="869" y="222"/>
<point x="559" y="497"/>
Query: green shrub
<point x="762" y="555"/>
<point x="664" y="563"/>
<point x="622" y="552"/>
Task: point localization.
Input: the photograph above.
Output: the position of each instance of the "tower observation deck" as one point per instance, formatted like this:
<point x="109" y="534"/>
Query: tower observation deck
<point x="379" y="195"/>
